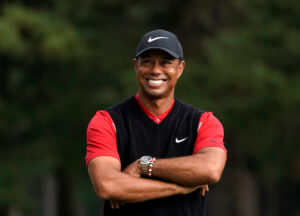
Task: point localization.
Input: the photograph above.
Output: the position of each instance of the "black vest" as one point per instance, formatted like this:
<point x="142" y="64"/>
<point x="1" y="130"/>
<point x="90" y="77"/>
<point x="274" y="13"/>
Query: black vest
<point x="138" y="135"/>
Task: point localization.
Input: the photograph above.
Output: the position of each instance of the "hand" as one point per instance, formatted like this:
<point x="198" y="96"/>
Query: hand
<point x="203" y="189"/>
<point x="187" y="189"/>
<point x="134" y="169"/>
<point x="115" y="204"/>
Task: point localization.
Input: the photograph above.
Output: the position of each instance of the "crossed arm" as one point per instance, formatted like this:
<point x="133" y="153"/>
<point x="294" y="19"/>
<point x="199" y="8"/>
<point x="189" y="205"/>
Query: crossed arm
<point x="183" y="175"/>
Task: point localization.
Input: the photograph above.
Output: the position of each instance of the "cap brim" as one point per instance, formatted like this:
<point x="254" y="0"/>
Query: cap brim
<point x="157" y="48"/>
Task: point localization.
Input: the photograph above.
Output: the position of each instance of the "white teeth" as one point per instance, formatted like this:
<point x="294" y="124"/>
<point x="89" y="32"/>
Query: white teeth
<point x="155" y="81"/>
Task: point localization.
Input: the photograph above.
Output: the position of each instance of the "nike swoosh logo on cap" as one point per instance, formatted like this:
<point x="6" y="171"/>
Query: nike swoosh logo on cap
<point x="180" y="140"/>
<point x="156" y="38"/>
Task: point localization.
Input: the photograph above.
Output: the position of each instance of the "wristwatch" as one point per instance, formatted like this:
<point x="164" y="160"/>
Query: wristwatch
<point x="147" y="163"/>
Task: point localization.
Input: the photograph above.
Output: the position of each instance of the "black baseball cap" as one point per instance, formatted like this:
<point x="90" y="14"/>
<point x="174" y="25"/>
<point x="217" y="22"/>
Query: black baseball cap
<point x="160" y="40"/>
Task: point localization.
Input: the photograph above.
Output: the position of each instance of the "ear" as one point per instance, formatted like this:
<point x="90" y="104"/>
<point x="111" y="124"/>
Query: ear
<point x="180" y="68"/>
<point x="135" y="64"/>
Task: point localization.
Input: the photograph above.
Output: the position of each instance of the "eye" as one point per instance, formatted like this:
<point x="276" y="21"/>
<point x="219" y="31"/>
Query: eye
<point x="167" y="62"/>
<point x="146" y="61"/>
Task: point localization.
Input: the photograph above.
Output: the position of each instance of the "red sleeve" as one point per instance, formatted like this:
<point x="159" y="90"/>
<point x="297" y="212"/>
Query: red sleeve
<point x="101" y="137"/>
<point x="210" y="133"/>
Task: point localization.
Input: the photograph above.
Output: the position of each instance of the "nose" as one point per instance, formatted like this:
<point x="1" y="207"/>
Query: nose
<point x="156" y="68"/>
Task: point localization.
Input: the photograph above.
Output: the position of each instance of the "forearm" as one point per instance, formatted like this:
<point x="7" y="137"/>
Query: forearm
<point x="198" y="169"/>
<point x="132" y="189"/>
<point x="116" y="185"/>
<point x="182" y="170"/>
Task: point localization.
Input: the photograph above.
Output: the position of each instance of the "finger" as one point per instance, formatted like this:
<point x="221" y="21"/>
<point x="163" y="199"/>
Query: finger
<point x="206" y="188"/>
<point x="117" y="204"/>
<point x="202" y="191"/>
<point x="112" y="204"/>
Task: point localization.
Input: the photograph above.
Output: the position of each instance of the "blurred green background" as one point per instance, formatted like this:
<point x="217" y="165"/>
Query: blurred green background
<point x="61" y="61"/>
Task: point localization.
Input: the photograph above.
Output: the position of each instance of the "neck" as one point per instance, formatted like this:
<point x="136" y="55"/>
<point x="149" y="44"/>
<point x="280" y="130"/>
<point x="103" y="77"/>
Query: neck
<point x="157" y="106"/>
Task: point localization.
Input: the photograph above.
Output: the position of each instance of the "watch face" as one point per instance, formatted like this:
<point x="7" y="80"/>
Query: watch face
<point x="145" y="159"/>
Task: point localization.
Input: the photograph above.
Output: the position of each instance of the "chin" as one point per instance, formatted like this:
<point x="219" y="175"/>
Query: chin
<point x="155" y="95"/>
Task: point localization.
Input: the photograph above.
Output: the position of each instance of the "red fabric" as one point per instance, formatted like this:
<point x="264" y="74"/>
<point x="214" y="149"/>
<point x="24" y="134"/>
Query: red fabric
<point x="101" y="137"/>
<point x="102" y="141"/>
<point x="210" y="133"/>
<point x="156" y="119"/>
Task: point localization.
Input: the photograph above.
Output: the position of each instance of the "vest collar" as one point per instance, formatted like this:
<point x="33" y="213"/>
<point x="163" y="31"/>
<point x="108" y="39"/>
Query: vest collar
<point x="156" y="119"/>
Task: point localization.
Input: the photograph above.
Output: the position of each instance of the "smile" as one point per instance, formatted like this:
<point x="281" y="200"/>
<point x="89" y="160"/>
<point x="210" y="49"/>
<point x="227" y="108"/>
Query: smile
<point x="155" y="82"/>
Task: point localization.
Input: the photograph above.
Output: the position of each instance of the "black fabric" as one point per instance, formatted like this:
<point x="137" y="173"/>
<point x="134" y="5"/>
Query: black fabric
<point x="138" y="135"/>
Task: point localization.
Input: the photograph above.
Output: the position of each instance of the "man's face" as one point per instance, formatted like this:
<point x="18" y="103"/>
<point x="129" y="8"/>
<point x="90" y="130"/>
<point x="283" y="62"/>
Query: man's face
<point x="157" y="73"/>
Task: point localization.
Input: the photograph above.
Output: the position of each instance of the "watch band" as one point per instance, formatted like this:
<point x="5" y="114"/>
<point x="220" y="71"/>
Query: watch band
<point x="144" y="169"/>
<point x="151" y="164"/>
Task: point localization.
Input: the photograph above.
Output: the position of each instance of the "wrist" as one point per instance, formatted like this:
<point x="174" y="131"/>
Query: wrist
<point x="179" y="189"/>
<point x="146" y="164"/>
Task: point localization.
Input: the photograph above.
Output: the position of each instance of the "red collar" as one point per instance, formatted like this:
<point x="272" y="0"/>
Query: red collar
<point x="156" y="119"/>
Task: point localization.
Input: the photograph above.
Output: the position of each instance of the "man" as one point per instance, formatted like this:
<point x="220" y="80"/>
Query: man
<point x="152" y="154"/>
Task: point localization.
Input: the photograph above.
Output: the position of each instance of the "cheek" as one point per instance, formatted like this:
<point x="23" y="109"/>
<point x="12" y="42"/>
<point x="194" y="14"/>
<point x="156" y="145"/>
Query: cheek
<point x="141" y="71"/>
<point x="175" y="74"/>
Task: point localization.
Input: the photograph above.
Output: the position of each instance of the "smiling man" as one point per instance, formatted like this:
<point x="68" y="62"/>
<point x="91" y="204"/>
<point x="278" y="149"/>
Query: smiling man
<point x="152" y="154"/>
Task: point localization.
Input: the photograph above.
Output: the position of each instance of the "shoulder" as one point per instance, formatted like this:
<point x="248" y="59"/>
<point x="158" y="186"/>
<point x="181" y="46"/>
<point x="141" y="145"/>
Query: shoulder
<point x="208" y="117"/>
<point x="209" y="121"/>
<point x="100" y="119"/>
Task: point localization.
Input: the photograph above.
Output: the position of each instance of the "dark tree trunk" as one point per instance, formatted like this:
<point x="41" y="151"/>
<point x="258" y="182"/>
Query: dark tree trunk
<point x="49" y="197"/>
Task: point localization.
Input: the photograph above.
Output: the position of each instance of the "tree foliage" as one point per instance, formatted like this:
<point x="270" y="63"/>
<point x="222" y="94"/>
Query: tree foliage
<point x="61" y="61"/>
